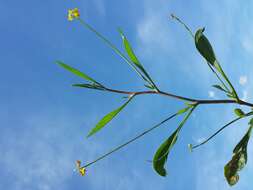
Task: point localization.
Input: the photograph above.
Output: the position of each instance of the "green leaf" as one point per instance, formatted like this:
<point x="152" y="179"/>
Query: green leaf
<point x="76" y="72"/>
<point x="220" y="88"/>
<point x="251" y="121"/>
<point x="149" y="86"/>
<point x="163" y="151"/>
<point x="92" y="86"/>
<point x="133" y="57"/>
<point x="239" y="159"/>
<point x="161" y="154"/>
<point x="183" y="110"/>
<point x="129" y="50"/>
<point x="204" y="47"/>
<point x="231" y="96"/>
<point x="112" y="46"/>
<point x="106" y="119"/>
<point x="239" y="112"/>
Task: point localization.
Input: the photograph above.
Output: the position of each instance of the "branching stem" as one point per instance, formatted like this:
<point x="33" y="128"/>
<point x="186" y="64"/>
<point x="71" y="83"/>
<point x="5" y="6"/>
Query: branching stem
<point x="199" y="101"/>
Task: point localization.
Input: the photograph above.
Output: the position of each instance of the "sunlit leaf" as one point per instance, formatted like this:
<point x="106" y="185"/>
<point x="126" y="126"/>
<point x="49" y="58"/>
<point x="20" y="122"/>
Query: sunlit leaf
<point x="239" y="112"/>
<point x="106" y="119"/>
<point x="183" y="110"/>
<point x="75" y="71"/>
<point x="113" y="47"/>
<point x="133" y="57"/>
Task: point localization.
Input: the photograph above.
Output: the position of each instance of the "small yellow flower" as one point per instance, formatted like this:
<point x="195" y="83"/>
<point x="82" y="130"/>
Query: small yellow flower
<point x="82" y="170"/>
<point x="73" y="14"/>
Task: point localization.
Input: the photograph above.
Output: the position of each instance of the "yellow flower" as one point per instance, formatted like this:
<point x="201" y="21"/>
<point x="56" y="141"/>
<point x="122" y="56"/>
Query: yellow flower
<point x="73" y="14"/>
<point x="82" y="170"/>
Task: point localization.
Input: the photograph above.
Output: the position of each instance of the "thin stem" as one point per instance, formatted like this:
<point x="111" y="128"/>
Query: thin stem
<point x="167" y="94"/>
<point x="199" y="101"/>
<point x="130" y="141"/>
<point x="111" y="46"/>
<point x="228" y="81"/>
<point x="181" y="22"/>
<point x="117" y="51"/>
<point x="216" y="74"/>
<point x="221" y="129"/>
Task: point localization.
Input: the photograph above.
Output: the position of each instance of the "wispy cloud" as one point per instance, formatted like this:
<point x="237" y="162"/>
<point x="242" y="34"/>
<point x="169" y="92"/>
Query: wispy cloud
<point x="211" y="94"/>
<point x="243" y="80"/>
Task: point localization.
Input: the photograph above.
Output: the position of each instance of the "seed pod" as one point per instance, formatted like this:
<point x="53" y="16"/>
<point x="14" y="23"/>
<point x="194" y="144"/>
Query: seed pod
<point x="204" y="47"/>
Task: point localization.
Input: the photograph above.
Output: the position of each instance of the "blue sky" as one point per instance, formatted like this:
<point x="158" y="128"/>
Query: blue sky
<point x="44" y="120"/>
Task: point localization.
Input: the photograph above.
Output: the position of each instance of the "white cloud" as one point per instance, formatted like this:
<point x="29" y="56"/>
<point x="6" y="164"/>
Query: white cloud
<point x="247" y="44"/>
<point x="243" y="80"/>
<point x="211" y="94"/>
<point x="42" y="155"/>
<point x="153" y="34"/>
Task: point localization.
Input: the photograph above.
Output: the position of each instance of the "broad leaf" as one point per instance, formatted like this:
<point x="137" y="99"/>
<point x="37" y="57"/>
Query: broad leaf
<point x="161" y="154"/>
<point x="204" y="47"/>
<point x="163" y="151"/>
<point x="239" y="159"/>
<point x="106" y="119"/>
<point x="76" y="72"/>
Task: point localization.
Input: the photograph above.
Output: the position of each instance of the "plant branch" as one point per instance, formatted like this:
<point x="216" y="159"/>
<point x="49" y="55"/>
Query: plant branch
<point x="131" y="140"/>
<point x="221" y="129"/>
<point x="199" y="101"/>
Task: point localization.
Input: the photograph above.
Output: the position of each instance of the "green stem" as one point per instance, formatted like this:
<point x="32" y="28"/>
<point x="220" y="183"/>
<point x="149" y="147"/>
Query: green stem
<point x="221" y="129"/>
<point x="228" y="81"/>
<point x="216" y="74"/>
<point x="117" y="51"/>
<point x="181" y="22"/>
<point x="130" y="141"/>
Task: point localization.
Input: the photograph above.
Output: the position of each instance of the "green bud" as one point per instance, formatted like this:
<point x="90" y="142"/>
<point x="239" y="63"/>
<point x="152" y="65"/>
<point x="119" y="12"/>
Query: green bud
<point x="239" y="112"/>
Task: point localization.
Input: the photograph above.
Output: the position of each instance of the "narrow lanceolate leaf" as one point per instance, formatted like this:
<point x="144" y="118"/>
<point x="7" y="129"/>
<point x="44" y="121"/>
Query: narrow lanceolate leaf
<point x="204" y="47"/>
<point x="112" y="46"/>
<point x="220" y="88"/>
<point x="239" y="159"/>
<point x="106" y="119"/>
<point x="133" y="57"/>
<point x="239" y="112"/>
<point x="183" y="110"/>
<point x="76" y="72"/>
<point x="163" y="151"/>
<point x="92" y="86"/>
